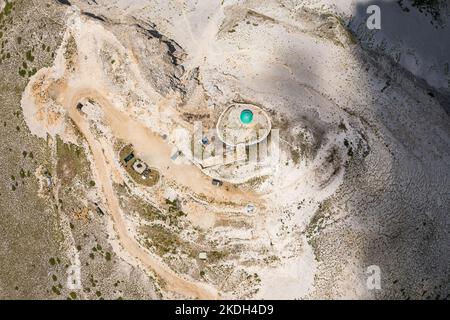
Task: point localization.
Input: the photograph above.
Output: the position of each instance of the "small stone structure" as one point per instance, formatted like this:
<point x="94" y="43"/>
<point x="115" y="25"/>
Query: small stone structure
<point x="139" y="166"/>
<point x="243" y="124"/>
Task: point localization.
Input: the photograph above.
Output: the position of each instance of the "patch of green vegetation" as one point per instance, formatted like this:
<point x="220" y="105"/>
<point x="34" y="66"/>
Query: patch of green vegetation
<point x="9" y="6"/>
<point x="146" y="210"/>
<point x="151" y="213"/>
<point x="271" y="259"/>
<point x="32" y="72"/>
<point x="72" y="162"/>
<point x="174" y="209"/>
<point x="350" y="152"/>
<point x="342" y="126"/>
<point x="254" y="182"/>
<point x="56" y="290"/>
<point x="165" y="241"/>
<point x="295" y="155"/>
<point x="318" y="221"/>
<point x="162" y="239"/>
<point x="70" y="52"/>
<point x="52" y="261"/>
<point x="347" y="144"/>
<point x="29" y="56"/>
<point x="215" y="255"/>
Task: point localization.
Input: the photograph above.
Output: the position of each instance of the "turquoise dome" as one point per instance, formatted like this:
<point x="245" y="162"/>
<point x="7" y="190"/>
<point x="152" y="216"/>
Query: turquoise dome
<point x="246" y="116"/>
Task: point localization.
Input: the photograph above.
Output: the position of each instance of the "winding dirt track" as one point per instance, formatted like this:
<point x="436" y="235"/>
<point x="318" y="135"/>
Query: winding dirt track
<point x="103" y="169"/>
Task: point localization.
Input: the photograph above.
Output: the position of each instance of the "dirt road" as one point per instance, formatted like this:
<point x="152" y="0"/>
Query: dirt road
<point x="103" y="168"/>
